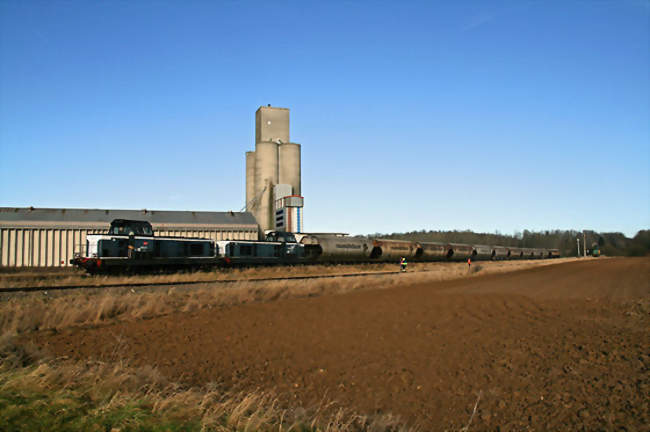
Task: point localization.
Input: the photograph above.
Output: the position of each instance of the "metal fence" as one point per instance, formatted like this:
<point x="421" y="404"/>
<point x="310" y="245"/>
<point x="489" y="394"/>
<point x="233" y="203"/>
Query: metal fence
<point x="54" y="247"/>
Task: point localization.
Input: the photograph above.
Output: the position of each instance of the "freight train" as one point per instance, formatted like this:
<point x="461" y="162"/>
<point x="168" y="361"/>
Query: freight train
<point x="131" y="245"/>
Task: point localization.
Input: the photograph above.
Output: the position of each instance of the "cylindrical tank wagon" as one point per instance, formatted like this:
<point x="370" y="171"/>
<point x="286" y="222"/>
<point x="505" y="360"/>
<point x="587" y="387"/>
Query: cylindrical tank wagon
<point x="459" y="252"/>
<point x="482" y="252"/>
<point x="332" y="248"/>
<point x="528" y="253"/>
<point x="499" y="252"/>
<point x="515" y="253"/>
<point x="433" y="251"/>
<point x="390" y="250"/>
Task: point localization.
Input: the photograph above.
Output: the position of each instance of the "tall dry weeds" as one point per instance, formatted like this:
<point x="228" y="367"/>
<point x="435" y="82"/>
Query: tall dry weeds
<point x="105" y="387"/>
<point x="45" y="278"/>
<point x="59" y="310"/>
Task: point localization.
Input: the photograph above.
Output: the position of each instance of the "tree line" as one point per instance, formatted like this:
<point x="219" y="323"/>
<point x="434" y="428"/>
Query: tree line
<point x="612" y="244"/>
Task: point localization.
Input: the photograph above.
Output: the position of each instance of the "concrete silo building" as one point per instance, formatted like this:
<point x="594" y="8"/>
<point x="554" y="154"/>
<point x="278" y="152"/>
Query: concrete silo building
<point x="273" y="189"/>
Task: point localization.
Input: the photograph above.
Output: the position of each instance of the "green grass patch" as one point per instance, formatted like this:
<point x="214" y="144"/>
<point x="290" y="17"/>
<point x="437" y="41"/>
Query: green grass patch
<point x="24" y="409"/>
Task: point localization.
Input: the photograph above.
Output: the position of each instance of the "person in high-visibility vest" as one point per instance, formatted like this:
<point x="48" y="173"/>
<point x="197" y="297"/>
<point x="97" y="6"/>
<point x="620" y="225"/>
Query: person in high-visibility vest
<point x="131" y="247"/>
<point x="403" y="264"/>
<point x="469" y="264"/>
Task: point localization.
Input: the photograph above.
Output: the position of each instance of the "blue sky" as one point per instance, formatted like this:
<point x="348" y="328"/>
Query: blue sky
<point x="504" y="115"/>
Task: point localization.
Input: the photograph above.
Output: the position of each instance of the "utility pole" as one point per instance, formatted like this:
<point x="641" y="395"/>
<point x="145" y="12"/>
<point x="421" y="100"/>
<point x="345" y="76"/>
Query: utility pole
<point x="584" y="244"/>
<point x="578" y="240"/>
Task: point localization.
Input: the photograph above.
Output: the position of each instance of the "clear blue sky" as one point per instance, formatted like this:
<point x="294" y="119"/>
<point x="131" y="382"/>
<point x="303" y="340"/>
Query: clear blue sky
<point x="504" y="115"/>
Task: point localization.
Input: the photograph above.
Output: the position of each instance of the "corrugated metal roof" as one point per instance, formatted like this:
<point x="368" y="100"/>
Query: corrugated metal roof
<point x="10" y="215"/>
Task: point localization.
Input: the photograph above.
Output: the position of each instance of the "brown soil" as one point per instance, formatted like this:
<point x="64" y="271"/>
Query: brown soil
<point x="561" y="347"/>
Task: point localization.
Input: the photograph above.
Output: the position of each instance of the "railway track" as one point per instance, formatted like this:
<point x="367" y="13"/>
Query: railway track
<point x="213" y="281"/>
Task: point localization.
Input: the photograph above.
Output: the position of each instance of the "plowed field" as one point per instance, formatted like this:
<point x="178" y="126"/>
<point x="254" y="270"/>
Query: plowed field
<point x="561" y="347"/>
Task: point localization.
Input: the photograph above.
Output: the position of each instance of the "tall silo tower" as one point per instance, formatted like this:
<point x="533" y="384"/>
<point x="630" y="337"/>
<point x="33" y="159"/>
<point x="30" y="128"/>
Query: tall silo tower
<point x="273" y="173"/>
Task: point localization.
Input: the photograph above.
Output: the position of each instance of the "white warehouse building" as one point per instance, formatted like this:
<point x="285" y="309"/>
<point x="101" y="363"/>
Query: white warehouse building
<point x="47" y="237"/>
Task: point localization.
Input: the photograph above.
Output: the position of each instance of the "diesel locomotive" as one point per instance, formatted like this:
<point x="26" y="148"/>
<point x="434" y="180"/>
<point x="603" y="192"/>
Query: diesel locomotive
<point x="130" y="245"/>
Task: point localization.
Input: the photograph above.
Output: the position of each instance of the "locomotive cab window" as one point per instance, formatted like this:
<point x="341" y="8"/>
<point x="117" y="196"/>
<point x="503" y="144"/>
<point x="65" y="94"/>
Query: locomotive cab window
<point x="126" y="227"/>
<point x="288" y="237"/>
<point x="281" y="236"/>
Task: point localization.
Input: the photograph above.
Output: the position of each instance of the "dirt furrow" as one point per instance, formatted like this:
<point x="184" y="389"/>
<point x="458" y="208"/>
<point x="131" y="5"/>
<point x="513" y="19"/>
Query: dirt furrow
<point x="559" y="347"/>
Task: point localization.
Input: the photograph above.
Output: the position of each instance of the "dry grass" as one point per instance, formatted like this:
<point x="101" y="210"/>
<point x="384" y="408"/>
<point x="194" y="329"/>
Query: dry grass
<point x="67" y="277"/>
<point x="46" y="394"/>
<point x="44" y="278"/>
<point x="58" y="310"/>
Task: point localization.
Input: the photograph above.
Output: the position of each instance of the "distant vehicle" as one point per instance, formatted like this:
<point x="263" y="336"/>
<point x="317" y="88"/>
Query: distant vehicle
<point x="595" y="250"/>
<point x="131" y="245"/>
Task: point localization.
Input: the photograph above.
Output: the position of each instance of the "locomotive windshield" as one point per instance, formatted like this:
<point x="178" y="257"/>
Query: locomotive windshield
<point x="128" y="227"/>
<point x="281" y="236"/>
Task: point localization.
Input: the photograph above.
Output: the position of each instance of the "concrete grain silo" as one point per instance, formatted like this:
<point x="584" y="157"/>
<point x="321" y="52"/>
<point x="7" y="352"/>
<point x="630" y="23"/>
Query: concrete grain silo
<point x="266" y="176"/>
<point x="250" y="180"/>
<point x="275" y="161"/>
<point x="289" y="166"/>
<point x="272" y="124"/>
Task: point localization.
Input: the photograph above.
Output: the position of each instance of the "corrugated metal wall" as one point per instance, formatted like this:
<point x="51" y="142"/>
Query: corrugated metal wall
<point x="54" y="247"/>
